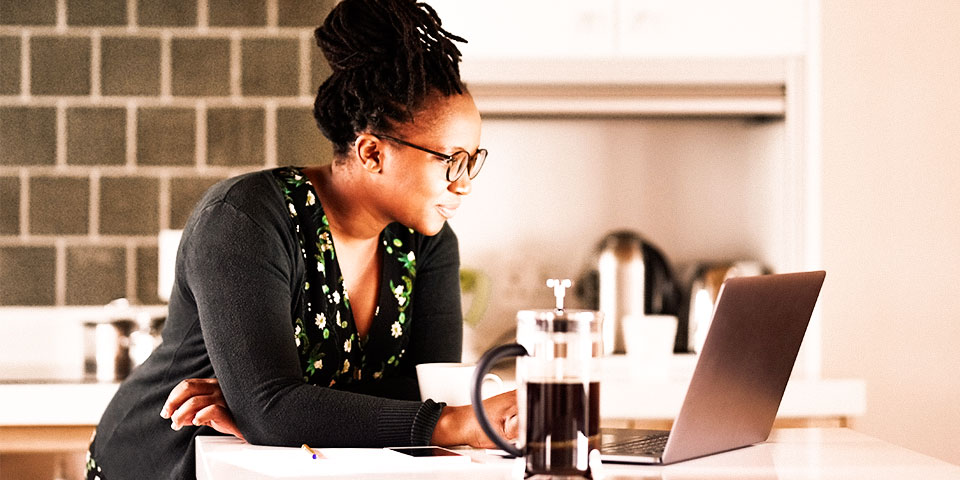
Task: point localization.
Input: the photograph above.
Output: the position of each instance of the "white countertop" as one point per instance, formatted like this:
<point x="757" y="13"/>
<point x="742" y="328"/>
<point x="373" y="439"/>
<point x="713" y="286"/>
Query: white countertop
<point x="627" y="392"/>
<point x="54" y="404"/>
<point x="789" y="454"/>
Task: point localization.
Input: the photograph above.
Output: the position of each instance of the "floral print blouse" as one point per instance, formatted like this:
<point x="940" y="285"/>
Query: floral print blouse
<point x="330" y="349"/>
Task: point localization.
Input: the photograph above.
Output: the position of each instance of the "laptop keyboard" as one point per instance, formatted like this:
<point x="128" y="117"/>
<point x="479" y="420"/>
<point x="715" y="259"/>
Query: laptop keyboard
<point x="645" y="445"/>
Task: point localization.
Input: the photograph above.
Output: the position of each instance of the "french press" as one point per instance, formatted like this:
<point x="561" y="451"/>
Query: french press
<point x="558" y="387"/>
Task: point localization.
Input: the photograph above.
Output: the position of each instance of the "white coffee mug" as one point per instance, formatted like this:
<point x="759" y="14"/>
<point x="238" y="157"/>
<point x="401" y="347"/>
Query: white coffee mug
<point x="450" y="382"/>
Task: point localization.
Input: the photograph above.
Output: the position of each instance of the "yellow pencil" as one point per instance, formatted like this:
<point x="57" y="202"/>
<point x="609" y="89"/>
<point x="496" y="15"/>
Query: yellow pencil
<point x="316" y="454"/>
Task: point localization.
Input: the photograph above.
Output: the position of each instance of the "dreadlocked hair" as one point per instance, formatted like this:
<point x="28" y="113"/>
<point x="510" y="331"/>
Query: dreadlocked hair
<point x="387" y="56"/>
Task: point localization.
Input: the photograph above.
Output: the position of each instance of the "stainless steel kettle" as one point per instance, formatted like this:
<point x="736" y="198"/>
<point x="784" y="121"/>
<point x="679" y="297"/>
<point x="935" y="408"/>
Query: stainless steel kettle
<point x="119" y="339"/>
<point x="704" y="289"/>
<point x="628" y="276"/>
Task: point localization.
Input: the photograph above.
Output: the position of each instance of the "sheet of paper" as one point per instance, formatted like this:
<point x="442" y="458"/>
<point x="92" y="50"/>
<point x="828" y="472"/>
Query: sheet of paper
<point x="241" y="461"/>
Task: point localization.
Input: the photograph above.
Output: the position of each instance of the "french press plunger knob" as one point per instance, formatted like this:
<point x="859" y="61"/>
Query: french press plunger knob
<point x="560" y="287"/>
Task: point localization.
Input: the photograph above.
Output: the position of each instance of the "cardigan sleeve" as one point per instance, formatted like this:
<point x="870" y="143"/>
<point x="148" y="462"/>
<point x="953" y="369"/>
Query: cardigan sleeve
<point x="240" y="274"/>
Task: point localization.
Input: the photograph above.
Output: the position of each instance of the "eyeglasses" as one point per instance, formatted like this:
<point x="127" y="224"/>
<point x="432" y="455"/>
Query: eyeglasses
<point x="457" y="164"/>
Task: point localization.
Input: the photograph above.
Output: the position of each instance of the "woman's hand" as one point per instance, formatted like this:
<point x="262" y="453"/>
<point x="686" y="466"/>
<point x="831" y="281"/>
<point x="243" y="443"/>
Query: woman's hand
<point x="199" y="401"/>
<point x="459" y="425"/>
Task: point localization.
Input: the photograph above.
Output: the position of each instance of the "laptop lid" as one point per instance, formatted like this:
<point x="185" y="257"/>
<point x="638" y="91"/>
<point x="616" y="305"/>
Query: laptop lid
<point x="757" y="328"/>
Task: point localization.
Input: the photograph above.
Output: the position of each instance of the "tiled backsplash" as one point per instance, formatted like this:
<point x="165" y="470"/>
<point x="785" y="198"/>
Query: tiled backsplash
<point x="115" y="117"/>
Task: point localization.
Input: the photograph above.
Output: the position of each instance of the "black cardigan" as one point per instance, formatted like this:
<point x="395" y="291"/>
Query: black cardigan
<point x="238" y="274"/>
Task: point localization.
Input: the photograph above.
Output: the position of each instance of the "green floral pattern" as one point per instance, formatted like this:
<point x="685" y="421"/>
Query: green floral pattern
<point x="330" y="349"/>
<point x="91" y="469"/>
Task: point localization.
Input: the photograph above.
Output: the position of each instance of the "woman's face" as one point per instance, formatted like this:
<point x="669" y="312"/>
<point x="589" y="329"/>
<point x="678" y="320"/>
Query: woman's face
<point x="416" y="191"/>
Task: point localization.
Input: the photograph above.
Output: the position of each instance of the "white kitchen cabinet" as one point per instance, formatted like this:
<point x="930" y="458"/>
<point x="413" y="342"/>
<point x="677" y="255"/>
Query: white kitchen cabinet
<point x="710" y="28"/>
<point x="631" y="28"/>
<point x="531" y="28"/>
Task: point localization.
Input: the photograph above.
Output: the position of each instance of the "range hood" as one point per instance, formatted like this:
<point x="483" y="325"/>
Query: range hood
<point x="751" y="87"/>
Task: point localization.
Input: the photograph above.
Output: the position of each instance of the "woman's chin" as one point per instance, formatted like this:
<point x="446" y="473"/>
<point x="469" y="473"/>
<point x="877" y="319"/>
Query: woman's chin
<point x="429" y="227"/>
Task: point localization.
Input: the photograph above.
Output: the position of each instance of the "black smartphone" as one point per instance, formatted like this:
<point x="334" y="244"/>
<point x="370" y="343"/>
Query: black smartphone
<point x="427" y="452"/>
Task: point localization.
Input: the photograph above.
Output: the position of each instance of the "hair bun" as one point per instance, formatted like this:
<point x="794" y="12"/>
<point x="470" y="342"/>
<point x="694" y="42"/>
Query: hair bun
<point x="386" y="57"/>
<point x="373" y="32"/>
<point x="342" y="60"/>
<point x="362" y="32"/>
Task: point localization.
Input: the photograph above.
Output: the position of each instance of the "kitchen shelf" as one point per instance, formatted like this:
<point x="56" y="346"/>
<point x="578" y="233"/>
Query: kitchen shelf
<point x="642" y="87"/>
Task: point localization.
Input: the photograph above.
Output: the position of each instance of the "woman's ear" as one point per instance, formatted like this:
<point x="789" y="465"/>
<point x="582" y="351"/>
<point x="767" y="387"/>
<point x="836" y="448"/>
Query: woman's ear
<point x="369" y="150"/>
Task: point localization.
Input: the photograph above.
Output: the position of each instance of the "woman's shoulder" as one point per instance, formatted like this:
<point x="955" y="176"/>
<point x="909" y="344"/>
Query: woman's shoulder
<point x="243" y="188"/>
<point x="255" y="195"/>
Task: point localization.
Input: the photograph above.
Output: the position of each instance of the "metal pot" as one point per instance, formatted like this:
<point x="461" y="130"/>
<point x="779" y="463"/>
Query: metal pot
<point x="116" y="342"/>
<point x="628" y="276"/>
<point x="704" y="289"/>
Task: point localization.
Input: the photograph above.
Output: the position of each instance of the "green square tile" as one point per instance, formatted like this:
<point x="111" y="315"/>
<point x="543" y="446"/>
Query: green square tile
<point x="167" y="13"/>
<point x="270" y="67"/>
<point x="235" y="136"/>
<point x="303" y="13"/>
<point x="9" y="205"/>
<point x="130" y="66"/>
<point x="96" y="136"/>
<point x="96" y="12"/>
<point x="147" y="276"/>
<point x="28" y="12"/>
<point x="96" y="275"/>
<point x="28" y="136"/>
<point x="60" y="66"/>
<point x="299" y="141"/>
<point x="129" y="206"/>
<point x="166" y="136"/>
<point x="237" y="13"/>
<point x="59" y="205"/>
<point x="28" y="275"/>
<point x="9" y="65"/>
<point x="201" y="67"/>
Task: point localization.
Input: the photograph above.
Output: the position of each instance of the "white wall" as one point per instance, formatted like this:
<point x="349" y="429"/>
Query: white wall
<point x="891" y="214"/>
<point x="700" y="189"/>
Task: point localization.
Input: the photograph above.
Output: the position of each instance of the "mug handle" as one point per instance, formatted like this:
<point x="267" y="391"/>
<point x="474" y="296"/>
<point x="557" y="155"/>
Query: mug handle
<point x="491" y="379"/>
<point x="483" y="366"/>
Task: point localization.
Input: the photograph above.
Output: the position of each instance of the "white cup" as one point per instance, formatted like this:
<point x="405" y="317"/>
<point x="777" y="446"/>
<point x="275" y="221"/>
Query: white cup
<point x="450" y="382"/>
<point x="650" y="339"/>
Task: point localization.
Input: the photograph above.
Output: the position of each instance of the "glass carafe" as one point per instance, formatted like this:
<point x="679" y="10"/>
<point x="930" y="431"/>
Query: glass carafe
<point x="558" y="389"/>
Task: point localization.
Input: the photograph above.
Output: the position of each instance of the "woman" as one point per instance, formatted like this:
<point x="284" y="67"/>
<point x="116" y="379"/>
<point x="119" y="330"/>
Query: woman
<point x="311" y="294"/>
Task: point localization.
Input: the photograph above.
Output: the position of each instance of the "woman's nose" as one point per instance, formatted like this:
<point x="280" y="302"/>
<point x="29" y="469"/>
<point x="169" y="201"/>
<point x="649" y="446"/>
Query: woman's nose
<point x="462" y="186"/>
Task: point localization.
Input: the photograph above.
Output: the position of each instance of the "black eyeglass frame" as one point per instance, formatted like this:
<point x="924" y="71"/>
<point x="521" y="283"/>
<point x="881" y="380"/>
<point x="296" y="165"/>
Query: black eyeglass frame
<point x="451" y="160"/>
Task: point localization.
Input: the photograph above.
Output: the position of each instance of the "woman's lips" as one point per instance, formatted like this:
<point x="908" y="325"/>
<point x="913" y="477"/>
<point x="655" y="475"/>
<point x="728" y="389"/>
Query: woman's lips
<point x="448" y="211"/>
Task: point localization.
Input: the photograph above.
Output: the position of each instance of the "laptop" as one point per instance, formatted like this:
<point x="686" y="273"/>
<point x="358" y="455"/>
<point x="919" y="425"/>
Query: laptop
<point x="735" y="392"/>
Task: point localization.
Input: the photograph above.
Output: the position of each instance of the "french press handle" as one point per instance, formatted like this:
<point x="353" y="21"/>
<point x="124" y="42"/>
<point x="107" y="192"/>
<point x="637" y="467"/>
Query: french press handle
<point x="487" y="361"/>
